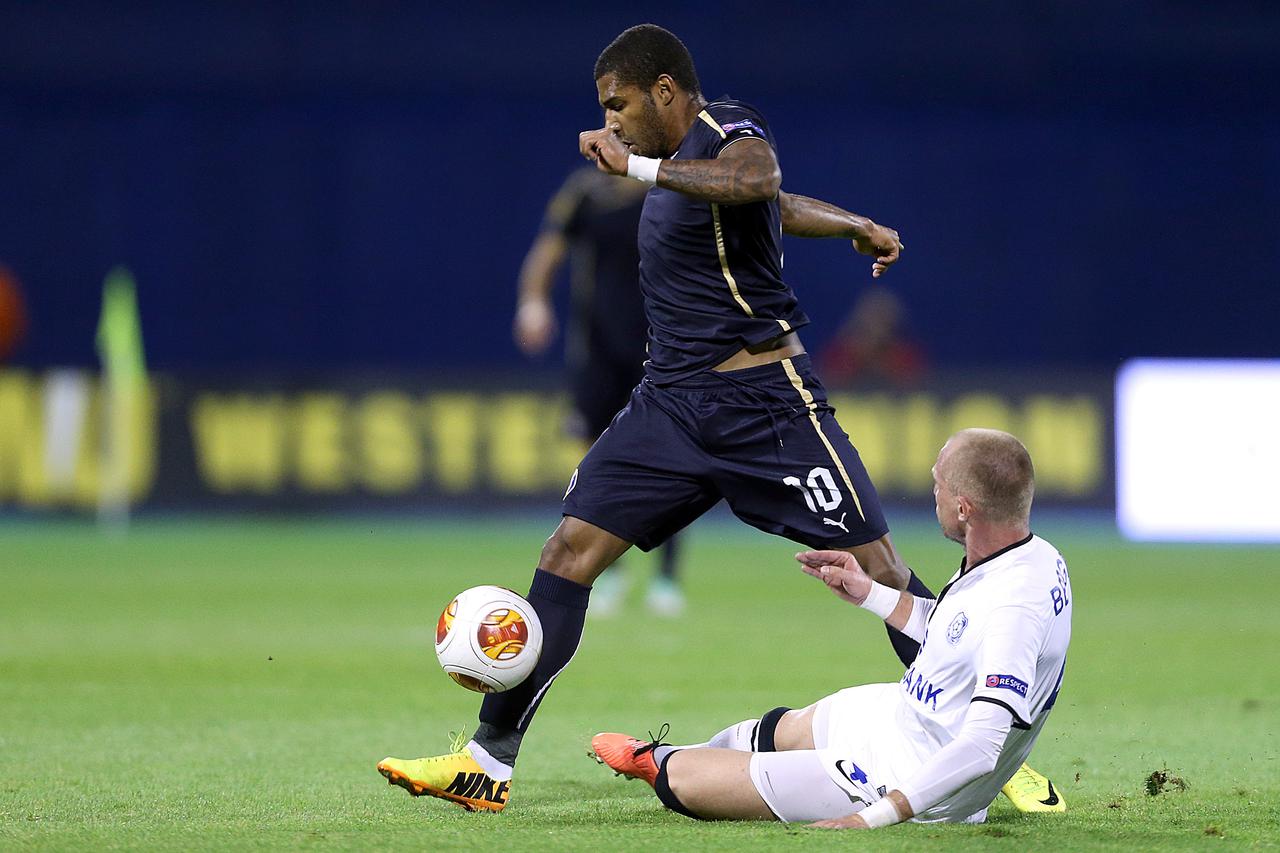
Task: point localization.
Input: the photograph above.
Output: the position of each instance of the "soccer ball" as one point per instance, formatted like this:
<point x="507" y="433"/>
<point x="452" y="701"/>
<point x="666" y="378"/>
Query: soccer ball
<point x="488" y="639"/>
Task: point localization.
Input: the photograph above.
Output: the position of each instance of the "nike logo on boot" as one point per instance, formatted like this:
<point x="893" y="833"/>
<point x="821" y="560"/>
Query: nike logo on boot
<point x="479" y="786"/>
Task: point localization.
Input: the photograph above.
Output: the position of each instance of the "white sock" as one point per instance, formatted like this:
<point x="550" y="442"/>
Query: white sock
<point x="495" y="768"/>
<point x="739" y="736"/>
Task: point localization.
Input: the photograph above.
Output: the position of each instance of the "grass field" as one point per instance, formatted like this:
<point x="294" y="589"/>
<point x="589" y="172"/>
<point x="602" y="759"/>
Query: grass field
<point x="222" y="685"/>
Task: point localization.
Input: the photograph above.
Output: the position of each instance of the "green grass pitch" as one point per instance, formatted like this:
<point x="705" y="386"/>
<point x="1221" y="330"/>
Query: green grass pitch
<point x="230" y="685"/>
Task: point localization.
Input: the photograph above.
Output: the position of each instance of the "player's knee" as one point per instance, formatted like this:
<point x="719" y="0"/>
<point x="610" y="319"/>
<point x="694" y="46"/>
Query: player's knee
<point x="558" y="557"/>
<point x="794" y="730"/>
<point x="569" y="554"/>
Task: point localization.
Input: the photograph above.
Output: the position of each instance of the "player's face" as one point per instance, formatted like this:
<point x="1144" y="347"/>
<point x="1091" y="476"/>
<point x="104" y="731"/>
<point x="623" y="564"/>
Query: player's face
<point x="946" y="505"/>
<point x="633" y="115"/>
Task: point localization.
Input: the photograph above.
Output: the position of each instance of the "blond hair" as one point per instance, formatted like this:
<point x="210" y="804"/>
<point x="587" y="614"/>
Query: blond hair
<point x="993" y="470"/>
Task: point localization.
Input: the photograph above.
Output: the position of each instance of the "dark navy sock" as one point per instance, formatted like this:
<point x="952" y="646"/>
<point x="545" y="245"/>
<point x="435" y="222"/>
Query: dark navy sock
<point x="667" y="566"/>
<point x="903" y="646"/>
<point x="561" y="605"/>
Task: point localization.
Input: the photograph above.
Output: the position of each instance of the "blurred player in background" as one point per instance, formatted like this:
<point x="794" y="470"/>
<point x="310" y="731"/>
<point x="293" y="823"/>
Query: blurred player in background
<point x="937" y="745"/>
<point x="13" y="313"/>
<point x="873" y="345"/>
<point x="729" y="408"/>
<point x="592" y="223"/>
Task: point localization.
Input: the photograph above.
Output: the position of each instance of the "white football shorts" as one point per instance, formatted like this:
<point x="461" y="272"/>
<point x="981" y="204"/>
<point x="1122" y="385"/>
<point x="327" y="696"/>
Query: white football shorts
<point x="840" y="776"/>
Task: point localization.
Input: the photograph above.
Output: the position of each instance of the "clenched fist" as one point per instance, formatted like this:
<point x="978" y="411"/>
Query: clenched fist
<point x="605" y="149"/>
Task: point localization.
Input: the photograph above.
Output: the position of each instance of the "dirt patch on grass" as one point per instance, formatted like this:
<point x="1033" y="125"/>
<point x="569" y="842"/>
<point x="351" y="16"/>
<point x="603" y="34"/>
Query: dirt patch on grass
<point x="1163" y="781"/>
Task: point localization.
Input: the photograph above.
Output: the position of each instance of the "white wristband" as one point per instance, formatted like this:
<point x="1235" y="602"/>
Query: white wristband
<point x="643" y="168"/>
<point x="882" y="600"/>
<point x="880" y="814"/>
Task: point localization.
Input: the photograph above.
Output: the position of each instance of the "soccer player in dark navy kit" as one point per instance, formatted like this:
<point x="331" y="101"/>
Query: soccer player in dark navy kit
<point x="728" y="409"/>
<point x="592" y="222"/>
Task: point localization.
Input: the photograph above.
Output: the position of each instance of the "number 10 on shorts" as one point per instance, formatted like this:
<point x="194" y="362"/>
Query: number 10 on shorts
<point x="820" y="491"/>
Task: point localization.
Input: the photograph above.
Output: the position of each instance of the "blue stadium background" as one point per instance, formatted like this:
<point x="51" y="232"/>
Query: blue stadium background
<point x="341" y="184"/>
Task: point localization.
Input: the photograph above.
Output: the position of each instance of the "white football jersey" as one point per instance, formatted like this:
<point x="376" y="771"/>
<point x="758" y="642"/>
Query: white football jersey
<point x="998" y="633"/>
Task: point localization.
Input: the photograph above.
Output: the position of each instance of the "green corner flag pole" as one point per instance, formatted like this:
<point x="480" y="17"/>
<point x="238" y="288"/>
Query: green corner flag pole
<point x="124" y="374"/>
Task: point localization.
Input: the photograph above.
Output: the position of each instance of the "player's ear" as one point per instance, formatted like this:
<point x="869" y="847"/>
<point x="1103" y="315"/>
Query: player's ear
<point x="664" y="90"/>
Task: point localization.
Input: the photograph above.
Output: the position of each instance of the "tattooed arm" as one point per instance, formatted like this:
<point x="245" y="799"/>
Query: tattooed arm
<point x="808" y="217"/>
<point x="748" y="171"/>
<point x="744" y="172"/>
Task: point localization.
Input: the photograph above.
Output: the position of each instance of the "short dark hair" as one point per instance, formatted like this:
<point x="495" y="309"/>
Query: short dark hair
<point x="641" y="53"/>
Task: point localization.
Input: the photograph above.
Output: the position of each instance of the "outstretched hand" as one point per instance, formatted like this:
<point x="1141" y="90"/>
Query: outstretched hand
<point x="881" y="243"/>
<point x="840" y="571"/>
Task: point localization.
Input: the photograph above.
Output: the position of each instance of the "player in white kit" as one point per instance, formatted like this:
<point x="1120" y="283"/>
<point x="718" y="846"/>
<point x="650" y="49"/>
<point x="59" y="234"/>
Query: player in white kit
<point x="939" y="744"/>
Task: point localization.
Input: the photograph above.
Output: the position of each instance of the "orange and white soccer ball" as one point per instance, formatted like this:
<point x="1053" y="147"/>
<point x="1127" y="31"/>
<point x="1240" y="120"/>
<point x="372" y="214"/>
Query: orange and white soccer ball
<point x="488" y="639"/>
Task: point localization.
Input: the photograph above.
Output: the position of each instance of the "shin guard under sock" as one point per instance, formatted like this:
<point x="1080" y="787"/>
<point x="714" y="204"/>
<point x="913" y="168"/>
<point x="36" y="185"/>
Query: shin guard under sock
<point x="746" y="736"/>
<point x="740" y="736"/>
<point x="561" y="605"/>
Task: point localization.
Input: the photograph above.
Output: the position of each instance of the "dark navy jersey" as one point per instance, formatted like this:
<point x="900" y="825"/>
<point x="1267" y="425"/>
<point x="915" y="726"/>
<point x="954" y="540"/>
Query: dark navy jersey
<point x="598" y="214"/>
<point x="711" y="274"/>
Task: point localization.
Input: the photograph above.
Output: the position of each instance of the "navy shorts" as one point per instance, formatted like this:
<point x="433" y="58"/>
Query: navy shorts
<point x="764" y="439"/>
